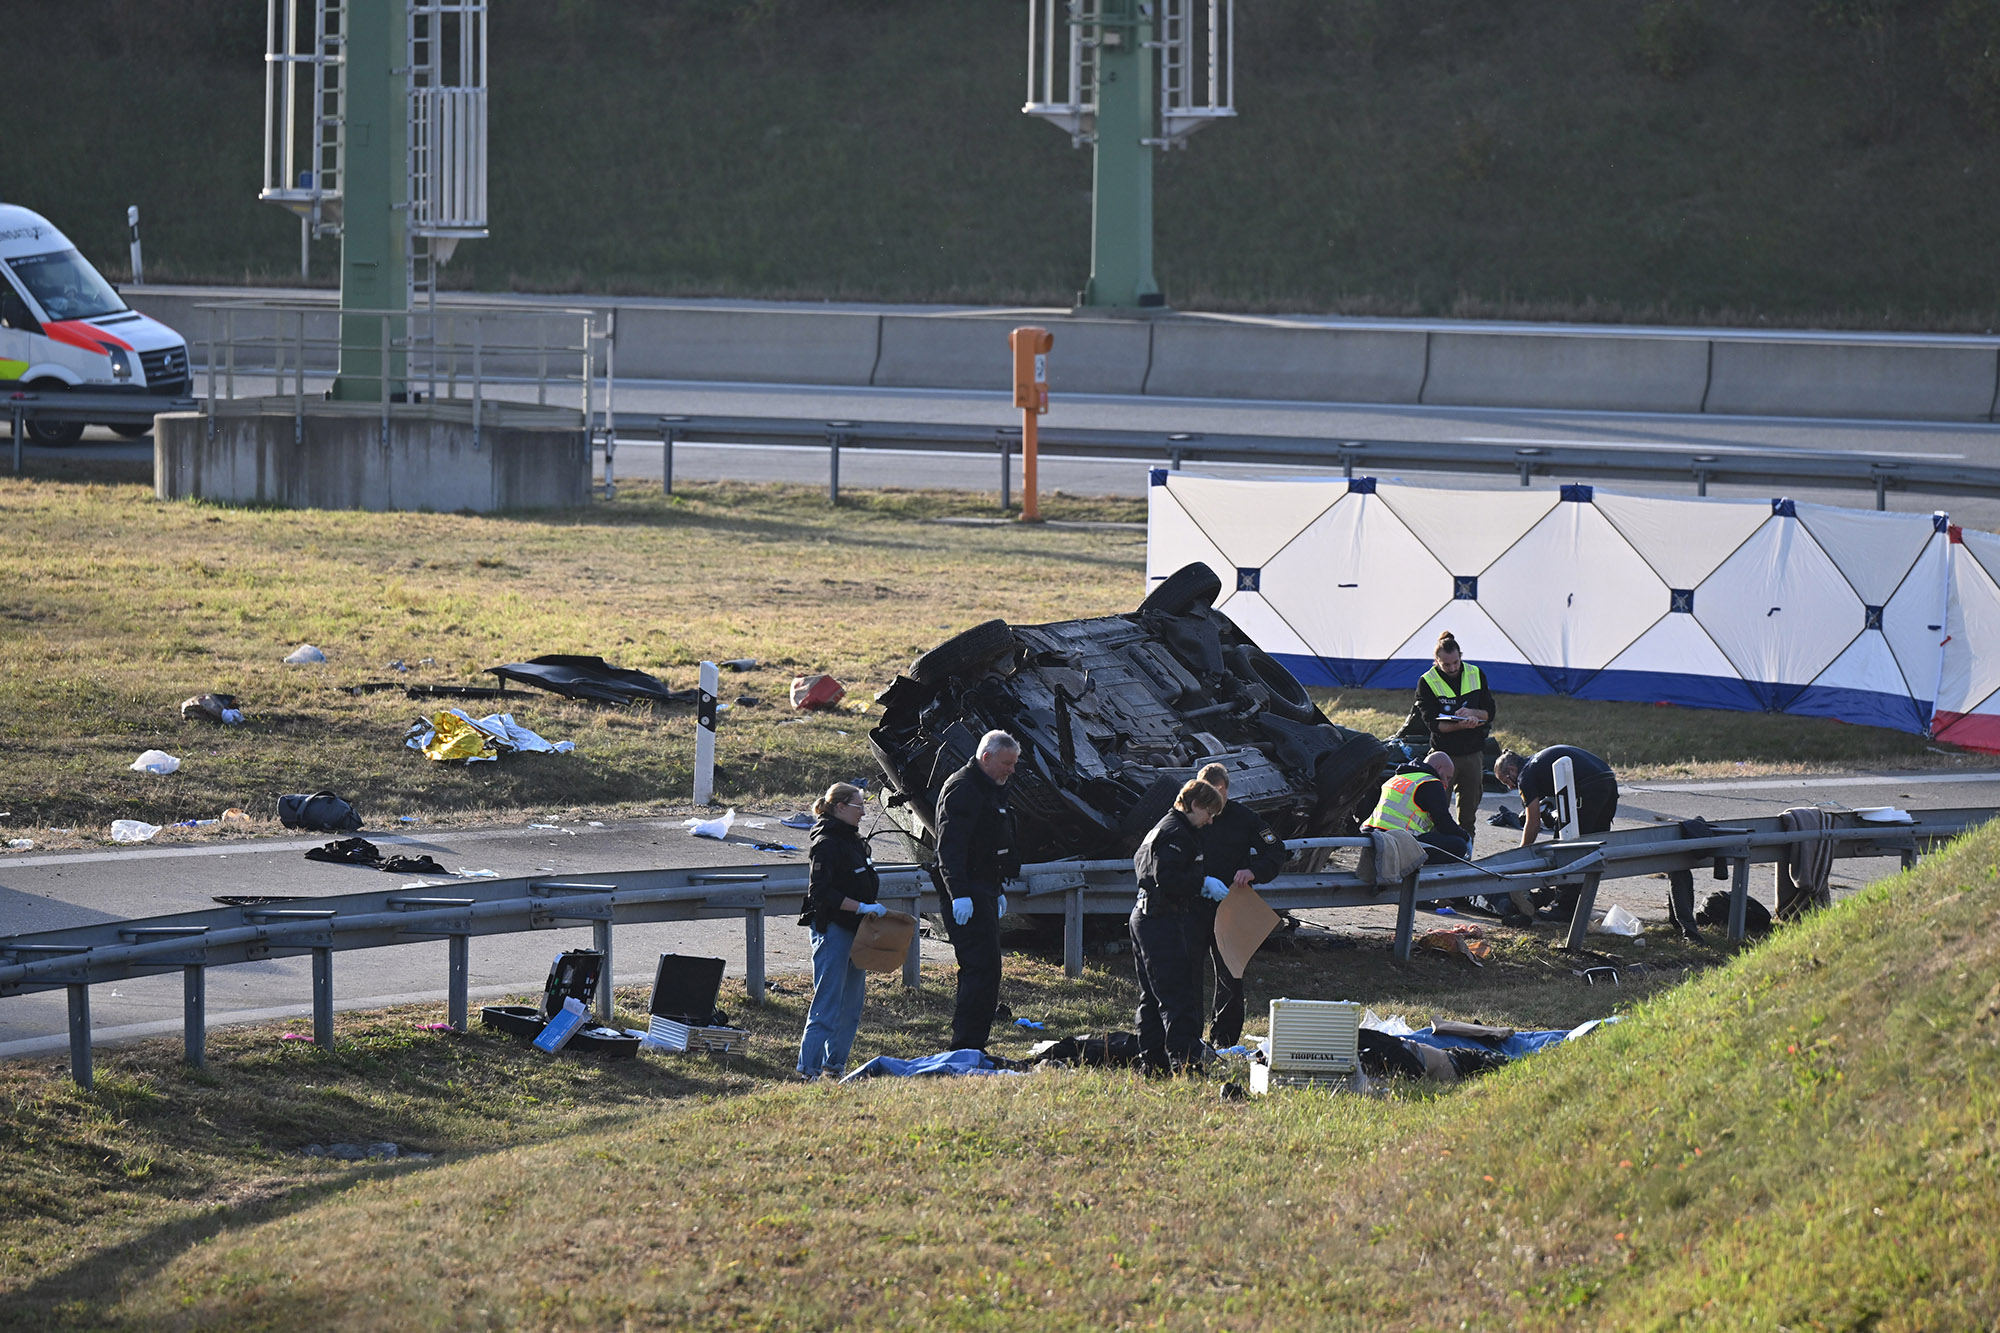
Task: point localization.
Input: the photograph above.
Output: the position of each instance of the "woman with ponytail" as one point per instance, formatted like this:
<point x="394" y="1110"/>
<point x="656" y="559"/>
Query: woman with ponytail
<point x="840" y="890"/>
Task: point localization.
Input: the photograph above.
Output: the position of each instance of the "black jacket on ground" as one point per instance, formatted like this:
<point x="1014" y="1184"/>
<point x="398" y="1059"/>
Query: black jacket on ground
<point x="975" y="842"/>
<point x="1469" y="740"/>
<point x="1238" y="839"/>
<point x="841" y="869"/>
<point x="1171" y="866"/>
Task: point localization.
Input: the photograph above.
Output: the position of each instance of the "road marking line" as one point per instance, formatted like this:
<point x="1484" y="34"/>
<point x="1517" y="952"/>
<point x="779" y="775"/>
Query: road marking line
<point x="1760" y="784"/>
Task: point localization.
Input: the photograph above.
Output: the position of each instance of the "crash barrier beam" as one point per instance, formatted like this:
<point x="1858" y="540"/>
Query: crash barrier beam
<point x="1786" y="469"/>
<point x="104" y="409"/>
<point x="78" y="957"/>
<point x="1106" y="887"/>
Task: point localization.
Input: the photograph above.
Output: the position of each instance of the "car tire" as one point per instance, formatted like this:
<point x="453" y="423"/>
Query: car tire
<point x="963" y="652"/>
<point x="132" y="432"/>
<point x="1183" y="590"/>
<point x="1283" y="694"/>
<point x="57" y="433"/>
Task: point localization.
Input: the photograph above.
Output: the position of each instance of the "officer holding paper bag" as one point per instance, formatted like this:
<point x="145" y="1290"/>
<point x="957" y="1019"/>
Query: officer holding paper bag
<point x="1170" y="931"/>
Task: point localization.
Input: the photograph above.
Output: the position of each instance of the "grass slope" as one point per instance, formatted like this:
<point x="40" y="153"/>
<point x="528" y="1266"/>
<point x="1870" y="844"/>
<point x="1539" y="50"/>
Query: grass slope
<point x="1598" y="159"/>
<point x="1805" y="1137"/>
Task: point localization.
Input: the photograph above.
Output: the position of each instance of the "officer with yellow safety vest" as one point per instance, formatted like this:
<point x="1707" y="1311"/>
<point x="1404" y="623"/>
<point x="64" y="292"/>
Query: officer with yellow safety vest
<point x="1414" y="799"/>
<point x="1458" y="709"/>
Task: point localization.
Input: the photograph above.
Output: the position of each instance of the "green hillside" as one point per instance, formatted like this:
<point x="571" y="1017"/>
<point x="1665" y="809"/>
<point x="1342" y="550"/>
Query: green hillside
<point x="1802" y="1138"/>
<point x="1791" y="161"/>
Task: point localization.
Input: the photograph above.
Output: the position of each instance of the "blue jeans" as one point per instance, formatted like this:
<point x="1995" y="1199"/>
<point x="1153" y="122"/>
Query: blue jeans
<point x="838" y="989"/>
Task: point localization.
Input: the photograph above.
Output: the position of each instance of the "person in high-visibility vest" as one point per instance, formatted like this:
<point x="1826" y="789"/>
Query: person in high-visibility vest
<point x="1414" y="799"/>
<point x="1458" y="709"/>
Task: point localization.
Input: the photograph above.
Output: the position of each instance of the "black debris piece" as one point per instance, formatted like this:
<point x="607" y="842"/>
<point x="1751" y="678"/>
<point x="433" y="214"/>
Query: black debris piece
<point x="361" y="852"/>
<point x="1506" y="817"/>
<point x="592" y="678"/>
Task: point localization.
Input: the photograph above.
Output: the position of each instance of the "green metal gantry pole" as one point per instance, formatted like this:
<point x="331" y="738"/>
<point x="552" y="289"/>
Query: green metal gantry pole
<point x="1121" y="196"/>
<point x="373" y="185"/>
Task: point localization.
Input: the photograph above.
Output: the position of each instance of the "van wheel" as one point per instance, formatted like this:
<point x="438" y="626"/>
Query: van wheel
<point x="962" y="652"/>
<point x="132" y="432"/>
<point x="53" y="432"/>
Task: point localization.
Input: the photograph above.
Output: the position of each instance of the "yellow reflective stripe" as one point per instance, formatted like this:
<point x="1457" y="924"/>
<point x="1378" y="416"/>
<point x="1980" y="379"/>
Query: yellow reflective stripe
<point x="1469" y="678"/>
<point x="12" y="370"/>
<point x="1397" y="807"/>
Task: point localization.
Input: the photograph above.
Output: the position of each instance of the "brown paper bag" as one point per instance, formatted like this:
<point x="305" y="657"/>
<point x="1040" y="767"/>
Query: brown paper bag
<point x="1242" y="923"/>
<point x="883" y="942"/>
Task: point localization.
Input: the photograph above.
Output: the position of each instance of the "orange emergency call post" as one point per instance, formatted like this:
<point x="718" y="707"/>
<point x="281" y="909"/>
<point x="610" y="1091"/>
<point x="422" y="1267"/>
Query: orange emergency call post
<point x="1031" y="394"/>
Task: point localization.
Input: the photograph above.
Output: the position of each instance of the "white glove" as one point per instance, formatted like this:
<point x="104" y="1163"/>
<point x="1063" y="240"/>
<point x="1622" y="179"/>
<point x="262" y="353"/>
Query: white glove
<point x="1000" y="908"/>
<point x="871" y="909"/>
<point x="961" y="911"/>
<point x="1214" y="889"/>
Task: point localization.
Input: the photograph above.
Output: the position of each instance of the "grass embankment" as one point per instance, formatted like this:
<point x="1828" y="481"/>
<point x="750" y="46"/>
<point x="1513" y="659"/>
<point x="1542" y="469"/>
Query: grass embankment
<point x="118" y="606"/>
<point x="1650" y="160"/>
<point x="1805" y="1137"/>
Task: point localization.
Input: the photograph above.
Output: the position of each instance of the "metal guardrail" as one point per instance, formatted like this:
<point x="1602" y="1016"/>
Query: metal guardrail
<point x="1782" y="468"/>
<point x="191" y="942"/>
<point x="109" y="408"/>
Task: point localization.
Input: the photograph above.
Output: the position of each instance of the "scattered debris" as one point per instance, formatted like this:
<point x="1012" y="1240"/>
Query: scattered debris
<point x="221" y="708"/>
<point x="800" y="820"/>
<point x="304" y="653"/>
<point x="1617" y="921"/>
<point x="453" y="734"/>
<point x="1467" y="941"/>
<point x="592" y="678"/>
<point x="21" y="844"/>
<point x="463" y="873"/>
<point x="361" y="852"/>
<point x="739" y="664"/>
<point x="320" y="812"/>
<point x="713" y="828"/>
<point x="816" y="692"/>
<point x="1506" y="817"/>
<point x="132" y="830"/>
<point x="235" y="815"/>
<point x="155" y="761"/>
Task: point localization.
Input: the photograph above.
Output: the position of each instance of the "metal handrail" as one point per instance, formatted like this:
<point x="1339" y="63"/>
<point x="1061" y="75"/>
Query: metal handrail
<point x="76" y="957"/>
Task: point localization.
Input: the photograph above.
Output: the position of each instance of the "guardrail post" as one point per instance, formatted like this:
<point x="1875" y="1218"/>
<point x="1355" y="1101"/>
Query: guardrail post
<point x="20" y="422"/>
<point x="1579" y="921"/>
<point x="834" y="439"/>
<point x="753" y="953"/>
<point x="458" y="970"/>
<point x="1006" y="441"/>
<point x="1406" y="916"/>
<point x="1073" y="932"/>
<point x="194" y="1015"/>
<point x="323" y="998"/>
<point x="1739" y="896"/>
<point x="913" y="961"/>
<point x="79" y="1035"/>
<point x="666" y="456"/>
<point x="1909" y="856"/>
<point x="600" y="940"/>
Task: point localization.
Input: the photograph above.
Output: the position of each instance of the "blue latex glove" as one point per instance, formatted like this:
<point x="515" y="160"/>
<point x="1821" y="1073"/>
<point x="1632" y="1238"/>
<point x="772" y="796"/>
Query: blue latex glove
<point x="1000" y="908"/>
<point x="1214" y="889"/>
<point x="871" y="909"/>
<point x="961" y="911"/>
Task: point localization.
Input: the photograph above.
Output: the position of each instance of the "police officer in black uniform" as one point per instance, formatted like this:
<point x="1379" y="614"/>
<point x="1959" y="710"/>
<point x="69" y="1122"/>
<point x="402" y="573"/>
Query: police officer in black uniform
<point x="1169" y="930"/>
<point x="1240" y="850"/>
<point x="975" y="845"/>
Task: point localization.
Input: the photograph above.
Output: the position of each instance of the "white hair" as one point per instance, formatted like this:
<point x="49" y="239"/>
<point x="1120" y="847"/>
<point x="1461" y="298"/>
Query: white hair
<point x="998" y="740"/>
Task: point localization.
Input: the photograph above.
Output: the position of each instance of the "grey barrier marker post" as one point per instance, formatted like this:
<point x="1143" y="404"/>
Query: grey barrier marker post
<point x="79" y="1035"/>
<point x="704" y="735"/>
<point x="667" y="455"/>
<point x="459" y="970"/>
<point x="835" y="437"/>
<point x="1739" y="896"/>
<point x="1406" y="915"/>
<point x="1006" y="440"/>
<point x="194" y="1015"/>
<point x="753" y="953"/>
<point x="600" y="940"/>
<point x="1073" y="932"/>
<point x="913" y="961"/>
<point x="1579" y="921"/>
<point x="323" y="997"/>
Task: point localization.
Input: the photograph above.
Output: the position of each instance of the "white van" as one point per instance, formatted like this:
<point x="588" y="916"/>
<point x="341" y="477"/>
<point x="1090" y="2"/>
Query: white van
<point x="63" y="326"/>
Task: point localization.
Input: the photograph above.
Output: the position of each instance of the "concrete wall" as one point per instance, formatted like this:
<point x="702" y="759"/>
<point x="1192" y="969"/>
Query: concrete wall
<point x="431" y="463"/>
<point x="1380" y="361"/>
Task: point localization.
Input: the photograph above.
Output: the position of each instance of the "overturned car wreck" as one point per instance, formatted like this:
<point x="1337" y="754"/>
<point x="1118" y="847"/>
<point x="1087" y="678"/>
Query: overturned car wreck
<point x="1113" y="714"/>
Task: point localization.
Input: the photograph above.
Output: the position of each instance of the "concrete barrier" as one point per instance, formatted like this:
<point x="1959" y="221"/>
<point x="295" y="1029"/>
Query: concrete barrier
<point x="1842" y="379"/>
<point x="1207" y="358"/>
<point x="1604" y="371"/>
<point x="768" y="346"/>
<point x="432" y="463"/>
<point x="969" y="351"/>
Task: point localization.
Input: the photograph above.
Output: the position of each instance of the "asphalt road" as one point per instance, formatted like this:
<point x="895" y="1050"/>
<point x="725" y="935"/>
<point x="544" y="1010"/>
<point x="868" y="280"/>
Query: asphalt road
<point x="46" y="891"/>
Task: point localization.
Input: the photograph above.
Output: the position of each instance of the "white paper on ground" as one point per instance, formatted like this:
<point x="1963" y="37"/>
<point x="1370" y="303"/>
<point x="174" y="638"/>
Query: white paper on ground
<point x="1394" y="1026"/>
<point x="155" y="761"/>
<point x="305" y="652"/>
<point x="132" y="830"/>
<point x="714" y="828"/>
<point x="1618" y="921"/>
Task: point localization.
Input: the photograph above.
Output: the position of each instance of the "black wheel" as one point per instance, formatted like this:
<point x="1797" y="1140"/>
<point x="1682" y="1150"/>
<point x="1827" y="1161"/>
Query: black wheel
<point x="131" y="432"/>
<point x="1288" y="698"/>
<point x="962" y="652"/>
<point x="1183" y="590"/>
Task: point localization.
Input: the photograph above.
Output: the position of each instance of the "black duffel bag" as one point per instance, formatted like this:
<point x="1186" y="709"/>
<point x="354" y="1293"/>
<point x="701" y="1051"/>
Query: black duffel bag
<point x="322" y="812"/>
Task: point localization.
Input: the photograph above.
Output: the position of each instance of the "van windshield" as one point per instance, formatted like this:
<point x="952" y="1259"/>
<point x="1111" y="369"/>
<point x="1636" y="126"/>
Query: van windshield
<point x="66" y="286"/>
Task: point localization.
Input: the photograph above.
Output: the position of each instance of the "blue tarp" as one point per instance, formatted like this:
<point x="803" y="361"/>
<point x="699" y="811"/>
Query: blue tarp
<point x="1520" y="1044"/>
<point x="944" y="1062"/>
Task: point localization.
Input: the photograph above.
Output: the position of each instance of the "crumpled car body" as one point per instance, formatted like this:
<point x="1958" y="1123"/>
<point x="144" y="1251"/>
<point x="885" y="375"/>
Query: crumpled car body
<point x="1113" y="715"/>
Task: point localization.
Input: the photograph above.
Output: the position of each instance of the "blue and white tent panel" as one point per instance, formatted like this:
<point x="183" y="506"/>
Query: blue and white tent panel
<point x="1873" y="618"/>
<point x="1683" y="540"/>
